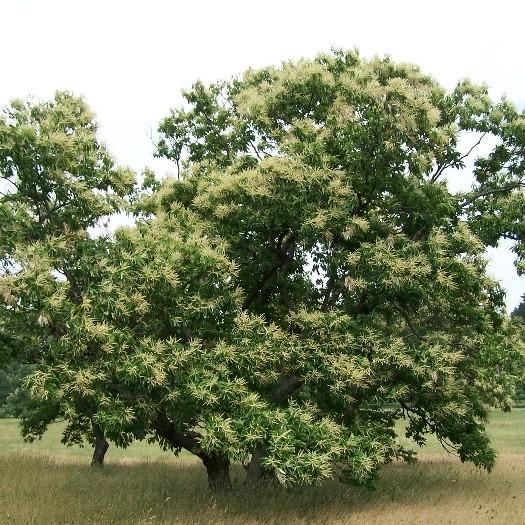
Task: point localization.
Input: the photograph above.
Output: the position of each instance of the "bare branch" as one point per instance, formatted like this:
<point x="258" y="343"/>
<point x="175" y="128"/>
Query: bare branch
<point x="8" y="179"/>
<point x="441" y="168"/>
<point x="463" y="157"/>
<point x="255" y="150"/>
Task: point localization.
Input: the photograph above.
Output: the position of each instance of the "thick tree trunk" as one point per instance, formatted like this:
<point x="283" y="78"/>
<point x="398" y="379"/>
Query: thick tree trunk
<point x="218" y="469"/>
<point x="100" y="448"/>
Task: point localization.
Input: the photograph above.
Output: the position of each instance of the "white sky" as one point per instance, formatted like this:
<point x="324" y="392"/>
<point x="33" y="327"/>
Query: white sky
<point x="130" y="59"/>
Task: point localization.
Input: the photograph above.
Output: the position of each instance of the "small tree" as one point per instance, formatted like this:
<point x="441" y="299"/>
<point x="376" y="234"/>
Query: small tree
<point x="58" y="180"/>
<point x="138" y="354"/>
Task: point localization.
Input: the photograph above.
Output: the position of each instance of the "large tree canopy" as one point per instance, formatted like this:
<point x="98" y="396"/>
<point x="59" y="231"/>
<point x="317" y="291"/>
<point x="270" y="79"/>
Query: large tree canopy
<point x="327" y="179"/>
<point x="306" y="280"/>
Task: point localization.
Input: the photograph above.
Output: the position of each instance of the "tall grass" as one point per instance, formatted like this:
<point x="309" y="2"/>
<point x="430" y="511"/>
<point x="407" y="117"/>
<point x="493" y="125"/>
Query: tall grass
<point x="436" y="491"/>
<point x="141" y="486"/>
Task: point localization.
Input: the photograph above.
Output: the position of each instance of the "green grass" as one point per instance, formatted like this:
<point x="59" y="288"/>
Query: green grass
<point x="505" y="429"/>
<point x="50" y="445"/>
<point x="46" y="482"/>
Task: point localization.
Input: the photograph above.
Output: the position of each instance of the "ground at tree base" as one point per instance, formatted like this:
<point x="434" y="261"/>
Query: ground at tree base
<point x="436" y="491"/>
<point x="143" y="485"/>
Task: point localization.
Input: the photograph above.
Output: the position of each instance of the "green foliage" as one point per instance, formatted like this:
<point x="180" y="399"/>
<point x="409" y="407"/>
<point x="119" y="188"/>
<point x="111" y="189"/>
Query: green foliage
<point x="331" y="196"/>
<point x="519" y="312"/>
<point x="56" y="174"/>
<point x="115" y="352"/>
<point x="11" y="397"/>
<point x="56" y="181"/>
<point x="307" y="271"/>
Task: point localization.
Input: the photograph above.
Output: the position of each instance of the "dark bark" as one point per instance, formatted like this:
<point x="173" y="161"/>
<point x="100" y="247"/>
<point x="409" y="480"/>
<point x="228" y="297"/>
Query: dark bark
<point x="285" y="388"/>
<point x="218" y="469"/>
<point x="255" y="471"/>
<point x="100" y="448"/>
<point x="217" y="466"/>
<point x="74" y="293"/>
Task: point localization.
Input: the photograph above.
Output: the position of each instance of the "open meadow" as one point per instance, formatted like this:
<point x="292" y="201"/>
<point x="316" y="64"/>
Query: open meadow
<point x="45" y="482"/>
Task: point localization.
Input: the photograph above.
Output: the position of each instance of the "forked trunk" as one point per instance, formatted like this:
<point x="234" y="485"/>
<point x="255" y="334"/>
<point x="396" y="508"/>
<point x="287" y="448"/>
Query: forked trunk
<point x="100" y="448"/>
<point x="218" y="469"/>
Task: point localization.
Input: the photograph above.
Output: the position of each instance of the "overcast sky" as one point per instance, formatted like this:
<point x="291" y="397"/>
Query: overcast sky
<point x="130" y="59"/>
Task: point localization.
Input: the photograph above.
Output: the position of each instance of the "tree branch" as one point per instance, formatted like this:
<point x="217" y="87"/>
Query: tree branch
<point x="440" y="169"/>
<point x="8" y="179"/>
<point x="491" y="192"/>
<point x="255" y="150"/>
<point x="285" y="258"/>
<point x="188" y="440"/>
<point x="405" y="316"/>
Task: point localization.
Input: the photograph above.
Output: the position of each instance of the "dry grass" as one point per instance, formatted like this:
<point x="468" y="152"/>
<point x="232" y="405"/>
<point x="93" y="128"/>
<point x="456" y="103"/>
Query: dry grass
<point x="147" y="487"/>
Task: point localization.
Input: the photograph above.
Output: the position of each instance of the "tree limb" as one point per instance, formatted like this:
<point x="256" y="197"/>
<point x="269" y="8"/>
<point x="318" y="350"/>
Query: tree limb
<point x="441" y="168"/>
<point x="188" y="440"/>
<point x="405" y="316"/>
<point x="285" y="258"/>
<point x="491" y="192"/>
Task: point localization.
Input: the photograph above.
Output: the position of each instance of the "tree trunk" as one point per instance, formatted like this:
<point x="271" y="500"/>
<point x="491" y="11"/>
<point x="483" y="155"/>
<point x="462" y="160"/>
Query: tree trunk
<point x="100" y="448"/>
<point x="255" y="471"/>
<point x="218" y="469"/>
<point x="287" y="385"/>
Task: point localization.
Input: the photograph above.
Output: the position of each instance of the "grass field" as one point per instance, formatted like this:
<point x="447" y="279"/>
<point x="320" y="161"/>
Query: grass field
<point x="45" y="482"/>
